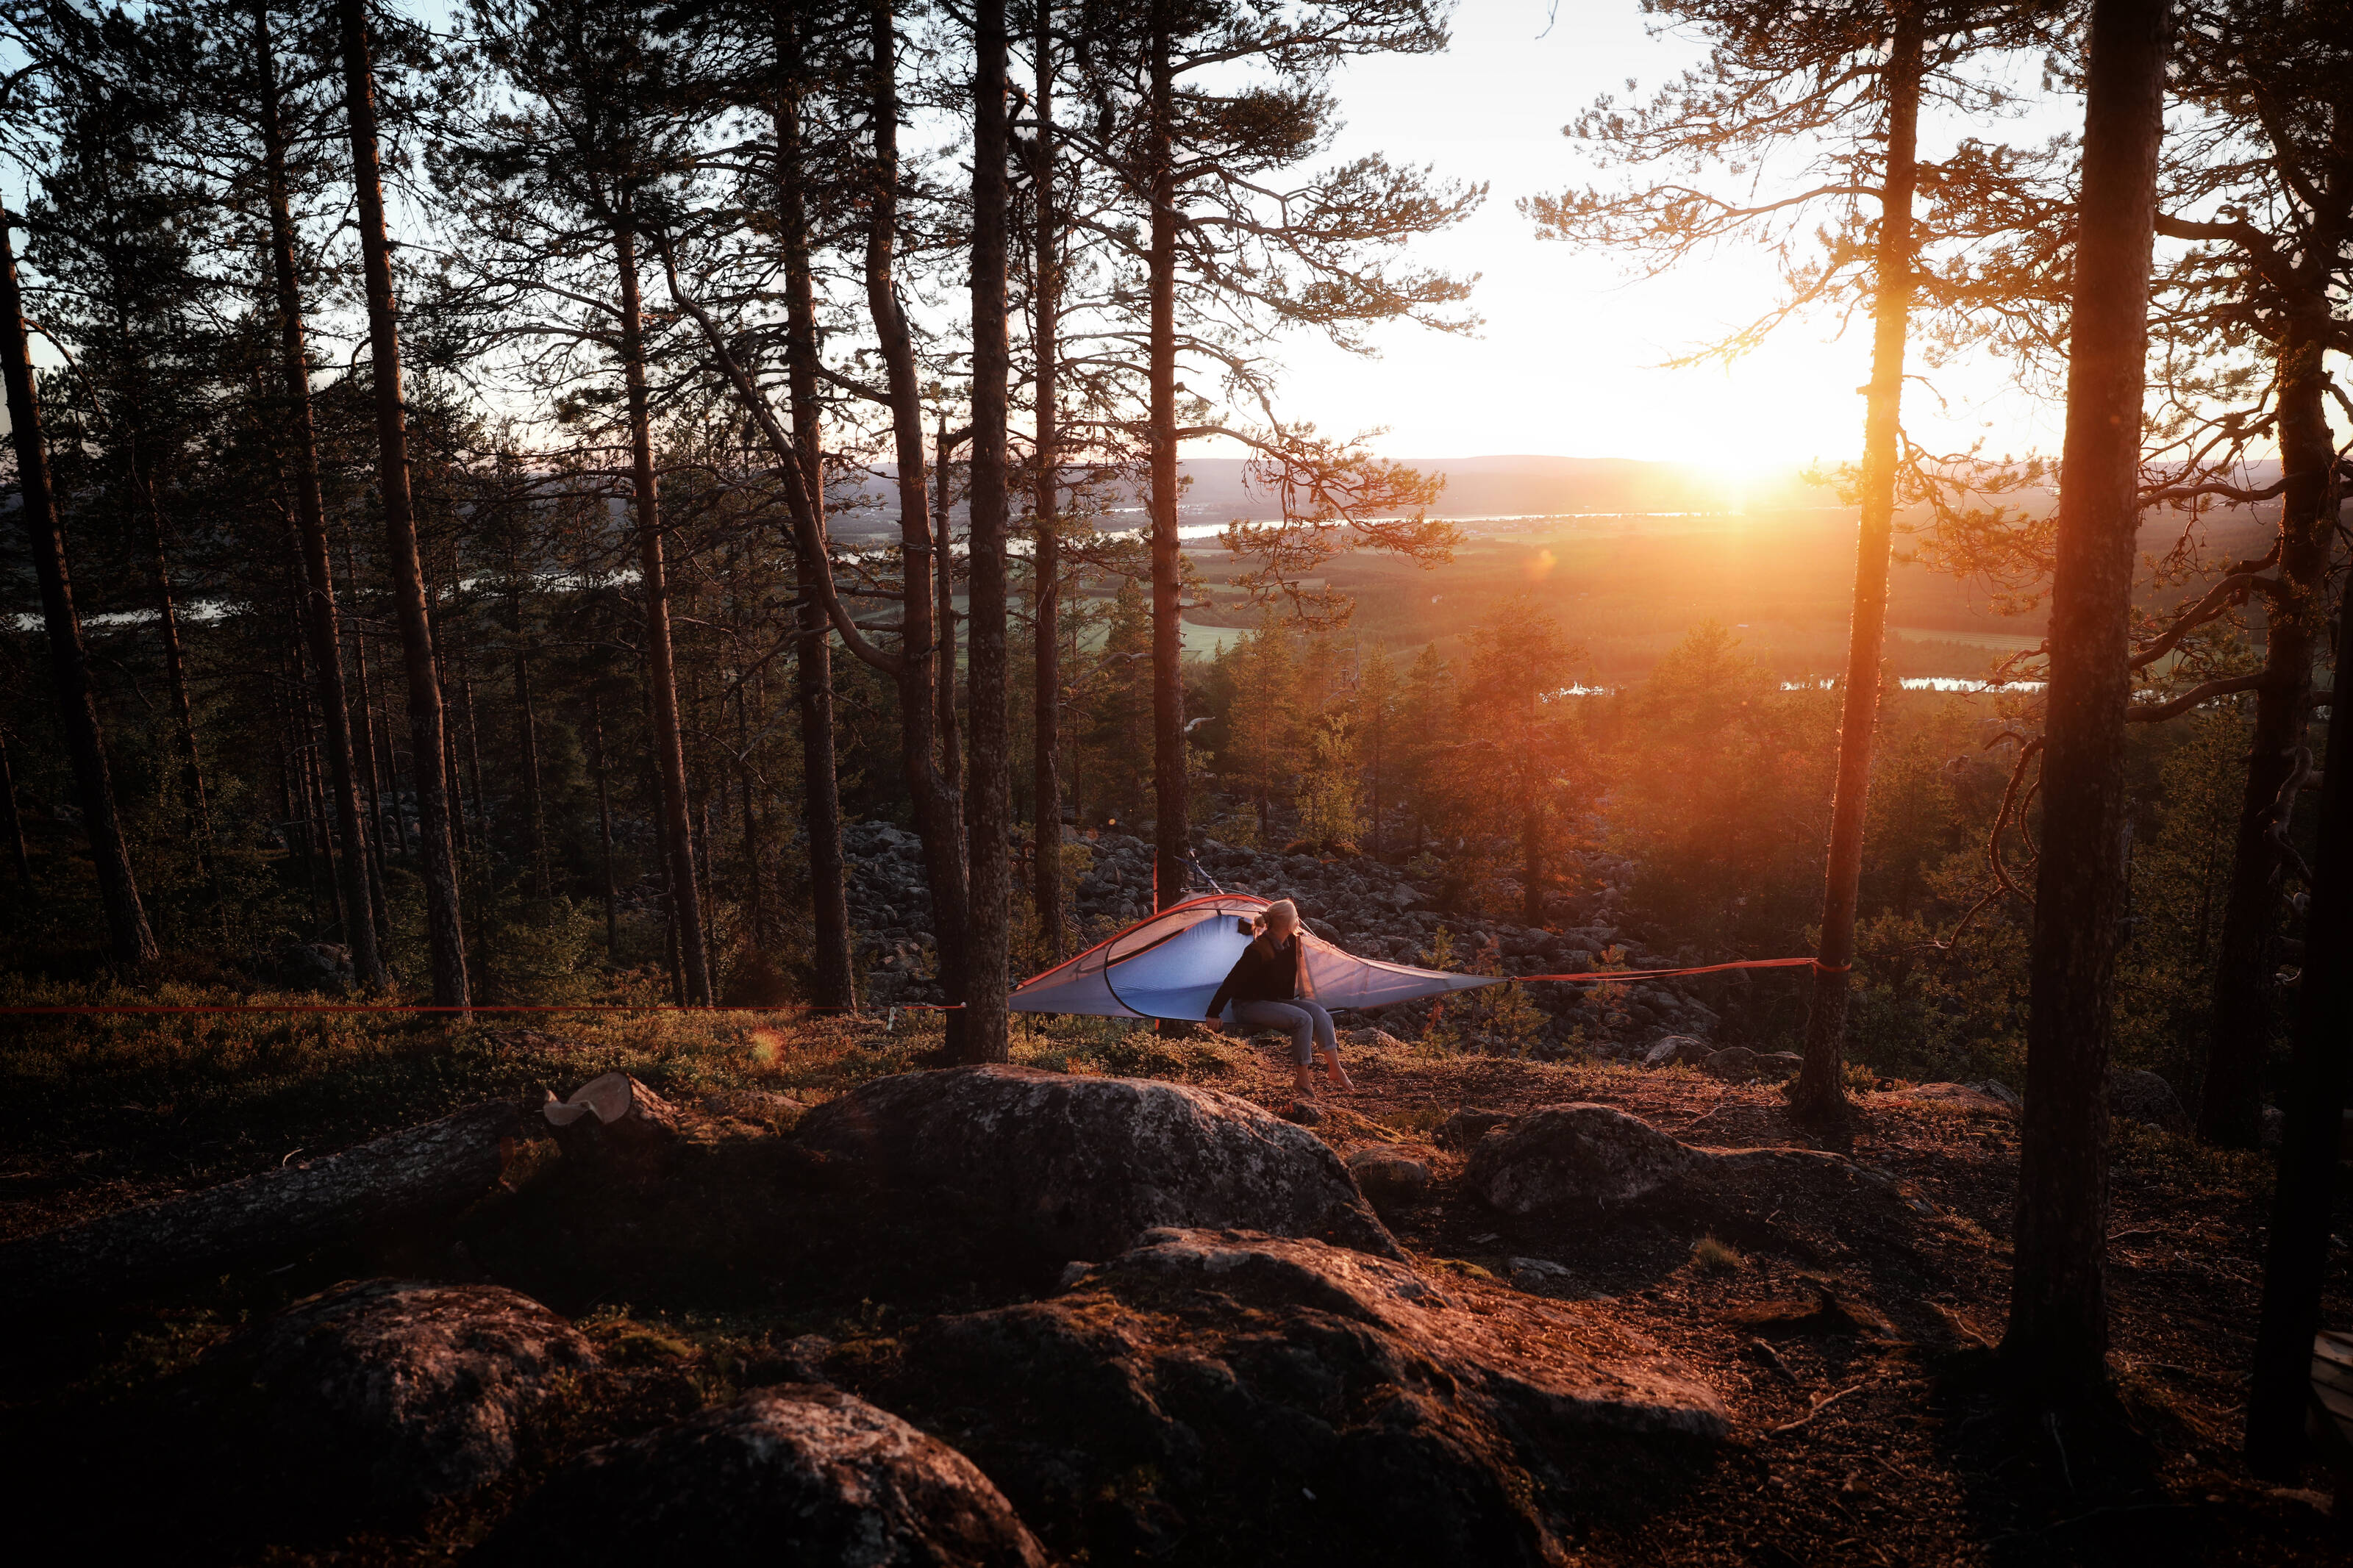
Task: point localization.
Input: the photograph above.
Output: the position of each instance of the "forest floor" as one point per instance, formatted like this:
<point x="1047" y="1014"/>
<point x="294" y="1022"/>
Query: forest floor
<point x="1871" y="1424"/>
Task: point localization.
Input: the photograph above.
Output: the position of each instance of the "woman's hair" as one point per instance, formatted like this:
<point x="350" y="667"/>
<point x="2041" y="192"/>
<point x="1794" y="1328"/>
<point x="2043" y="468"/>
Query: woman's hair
<point x="1282" y="911"/>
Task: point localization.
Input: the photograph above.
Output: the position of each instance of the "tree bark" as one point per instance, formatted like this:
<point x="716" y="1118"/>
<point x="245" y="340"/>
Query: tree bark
<point x="1820" y="1089"/>
<point x="439" y="868"/>
<point x="321" y="623"/>
<point x="175" y="679"/>
<point x="2295" y="1261"/>
<point x="10" y="822"/>
<point x="943" y="446"/>
<point x="930" y="786"/>
<point x="605" y="829"/>
<point x="1045" y="560"/>
<point x="2057" y="1333"/>
<point x="670" y="752"/>
<point x="118" y="887"/>
<point x="813" y="664"/>
<point x="365" y="754"/>
<point x="988" y="815"/>
<point x="1170" y="797"/>
<point x="421" y="1175"/>
<point x="2231" y="1104"/>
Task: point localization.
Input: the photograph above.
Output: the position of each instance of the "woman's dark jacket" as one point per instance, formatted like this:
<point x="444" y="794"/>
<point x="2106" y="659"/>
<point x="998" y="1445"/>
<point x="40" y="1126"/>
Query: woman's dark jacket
<point x="1264" y="973"/>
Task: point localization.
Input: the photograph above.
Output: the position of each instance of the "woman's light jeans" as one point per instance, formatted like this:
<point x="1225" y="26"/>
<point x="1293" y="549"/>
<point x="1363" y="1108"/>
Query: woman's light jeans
<point x="1304" y="1021"/>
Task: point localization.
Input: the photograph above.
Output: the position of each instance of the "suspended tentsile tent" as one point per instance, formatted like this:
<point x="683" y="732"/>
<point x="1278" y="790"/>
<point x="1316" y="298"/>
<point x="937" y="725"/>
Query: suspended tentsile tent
<point x="1170" y="965"/>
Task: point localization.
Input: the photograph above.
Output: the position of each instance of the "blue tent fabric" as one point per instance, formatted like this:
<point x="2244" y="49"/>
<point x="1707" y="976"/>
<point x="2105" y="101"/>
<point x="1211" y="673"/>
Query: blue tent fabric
<point x="1170" y="965"/>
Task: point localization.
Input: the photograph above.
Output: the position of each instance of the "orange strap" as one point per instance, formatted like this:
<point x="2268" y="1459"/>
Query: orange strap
<point x="401" y="1007"/>
<point x="1609" y="974"/>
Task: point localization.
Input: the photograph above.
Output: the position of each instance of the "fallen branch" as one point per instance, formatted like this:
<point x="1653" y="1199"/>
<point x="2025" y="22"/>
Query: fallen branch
<point x="1819" y="1405"/>
<point x="419" y="1175"/>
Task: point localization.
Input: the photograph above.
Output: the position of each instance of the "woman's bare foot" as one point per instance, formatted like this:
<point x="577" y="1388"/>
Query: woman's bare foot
<point x="1303" y="1085"/>
<point x="1337" y="1076"/>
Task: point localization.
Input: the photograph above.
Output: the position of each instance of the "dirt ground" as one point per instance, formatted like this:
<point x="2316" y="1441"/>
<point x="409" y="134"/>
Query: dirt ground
<point x="1851" y="1340"/>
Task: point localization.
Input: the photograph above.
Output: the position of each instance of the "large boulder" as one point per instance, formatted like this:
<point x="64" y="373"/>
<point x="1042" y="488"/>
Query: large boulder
<point x="1225" y="1397"/>
<point x="1678" y="1051"/>
<point x="1080" y="1167"/>
<point x="790" y="1474"/>
<point x="1566" y="1157"/>
<point x="392" y="1395"/>
<point x="1391" y="1177"/>
<point x="2144" y="1097"/>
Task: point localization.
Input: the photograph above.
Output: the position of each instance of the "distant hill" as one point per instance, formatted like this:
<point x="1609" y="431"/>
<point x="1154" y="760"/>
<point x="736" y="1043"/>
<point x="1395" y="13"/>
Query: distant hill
<point x="1526" y="485"/>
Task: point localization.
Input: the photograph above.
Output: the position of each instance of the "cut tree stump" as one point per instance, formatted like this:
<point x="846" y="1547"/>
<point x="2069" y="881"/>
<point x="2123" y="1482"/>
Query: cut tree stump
<point x="617" y="1126"/>
<point x="419" y="1175"/>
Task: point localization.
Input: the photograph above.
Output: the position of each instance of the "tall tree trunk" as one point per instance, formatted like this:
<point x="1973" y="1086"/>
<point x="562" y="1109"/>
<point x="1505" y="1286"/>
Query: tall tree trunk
<point x="118" y="887"/>
<point x="604" y="828"/>
<point x="321" y="623"/>
<point x="439" y="868"/>
<point x="1170" y="797"/>
<point x="670" y="752"/>
<point x="821" y="799"/>
<point x="526" y="719"/>
<point x="931" y="787"/>
<point x="1045" y="559"/>
<point x="2058" y="1336"/>
<point x="988" y="814"/>
<point x="176" y="677"/>
<point x="10" y="822"/>
<point x="1820" y="1089"/>
<point x="2231" y="1105"/>
<point x="365" y="753"/>
<point x="943" y="446"/>
<point x="2295" y="1261"/>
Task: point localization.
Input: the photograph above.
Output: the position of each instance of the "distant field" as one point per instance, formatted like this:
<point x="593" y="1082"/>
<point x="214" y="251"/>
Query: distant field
<point x="1629" y="588"/>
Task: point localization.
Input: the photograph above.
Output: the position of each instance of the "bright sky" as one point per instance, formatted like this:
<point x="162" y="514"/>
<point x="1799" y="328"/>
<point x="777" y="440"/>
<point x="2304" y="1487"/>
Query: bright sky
<point x="1563" y="365"/>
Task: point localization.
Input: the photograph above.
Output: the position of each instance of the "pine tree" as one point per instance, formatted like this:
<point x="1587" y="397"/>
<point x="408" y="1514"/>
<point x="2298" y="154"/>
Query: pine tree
<point x="2058" y="1336"/>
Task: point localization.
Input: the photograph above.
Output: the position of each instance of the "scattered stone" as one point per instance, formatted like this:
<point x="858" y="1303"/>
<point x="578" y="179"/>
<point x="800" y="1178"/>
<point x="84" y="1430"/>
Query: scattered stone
<point x="1678" y="1051"/>
<point x="1467" y="1126"/>
<point x="1826" y="1309"/>
<point x="2000" y="1090"/>
<point x="1303" y="1113"/>
<point x="1080" y="1167"/>
<point x="760" y="1107"/>
<point x="393" y="1395"/>
<point x="1958" y="1096"/>
<point x="615" y="1125"/>
<point x="1540" y="1275"/>
<point x="2144" y="1097"/>
<point x="1578" y="1156"/>
<point x="1232" y="1365"/>
<point x="1733" y="1064"/>
<point x="790" y="1474"/>
<point x="1369" y="1039"/>
<point x="1778" y="1063"/>
<point x="1389" y="1177"/>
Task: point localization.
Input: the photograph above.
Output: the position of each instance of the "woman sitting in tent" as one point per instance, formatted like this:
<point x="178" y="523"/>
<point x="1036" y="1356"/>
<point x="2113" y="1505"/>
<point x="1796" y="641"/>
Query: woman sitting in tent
<point x="1270" y="990"/>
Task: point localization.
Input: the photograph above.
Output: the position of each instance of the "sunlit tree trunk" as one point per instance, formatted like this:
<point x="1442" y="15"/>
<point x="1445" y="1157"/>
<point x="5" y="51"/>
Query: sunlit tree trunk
<point x="1170" y="798"/>
<point x="118" y="887"/>
<point x="1044" y="561"/>
<point x="988" y="816"/>
<point x="2058" y="1336"/>
<point x="1819" y="1089"/>
<point x="438" y="866"/>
